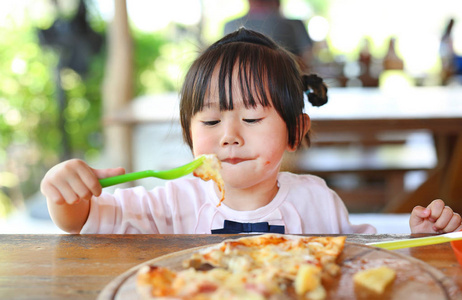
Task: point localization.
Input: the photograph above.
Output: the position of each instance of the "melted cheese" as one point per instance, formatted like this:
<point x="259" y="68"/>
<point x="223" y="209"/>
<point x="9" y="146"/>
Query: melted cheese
<point x="255" y="267"/>
<point x="210" y="170"/>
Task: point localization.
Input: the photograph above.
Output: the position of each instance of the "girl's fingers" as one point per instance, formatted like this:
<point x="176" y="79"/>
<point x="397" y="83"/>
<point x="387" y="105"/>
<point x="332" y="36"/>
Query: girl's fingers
<point x="435" y="217"/>
<point x="418" y="215"/>
<point x="459" y="228"/>
<point x="437" y="206"/>
<point x="81" y="190"/>
<point x="443" y="219"/>
<point x="104" y="173"/>
<point x="453" y="224"/>
<point x="68" y="193"/>
<point x="52" y="194"/>
<point x="73" y="180"/>
<point x="90" y="180"/>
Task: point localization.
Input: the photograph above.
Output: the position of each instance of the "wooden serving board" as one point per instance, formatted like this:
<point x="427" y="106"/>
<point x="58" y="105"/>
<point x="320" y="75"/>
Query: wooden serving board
<point x="415" y="279"/>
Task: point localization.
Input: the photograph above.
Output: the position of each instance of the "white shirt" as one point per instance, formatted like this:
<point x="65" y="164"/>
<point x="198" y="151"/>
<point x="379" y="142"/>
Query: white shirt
<point x="303" y="205"/>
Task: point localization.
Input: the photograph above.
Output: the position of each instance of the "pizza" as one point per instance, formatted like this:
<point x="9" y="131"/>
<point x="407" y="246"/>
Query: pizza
<point x="269" y="266"/>
<point x="210" y="170"/>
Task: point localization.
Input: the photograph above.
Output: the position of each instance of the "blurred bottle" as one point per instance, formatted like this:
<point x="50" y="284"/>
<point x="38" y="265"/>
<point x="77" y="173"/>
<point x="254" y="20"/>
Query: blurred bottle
<point x="392" y="61"/>
<point x="365" y="60"/>
<point x="365" y="56"/>
<point x="393" y="76"/>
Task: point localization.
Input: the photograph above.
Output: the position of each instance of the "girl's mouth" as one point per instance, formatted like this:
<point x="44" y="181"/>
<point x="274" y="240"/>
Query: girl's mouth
<point x="234" y="160"/>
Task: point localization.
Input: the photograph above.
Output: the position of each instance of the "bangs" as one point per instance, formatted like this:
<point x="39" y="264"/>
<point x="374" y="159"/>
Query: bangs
<point x="251" y="78"/>
<point x="239" y="66"/>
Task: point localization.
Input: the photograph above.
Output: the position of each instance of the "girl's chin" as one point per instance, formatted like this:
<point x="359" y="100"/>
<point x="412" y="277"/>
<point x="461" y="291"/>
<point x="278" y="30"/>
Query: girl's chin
<point x="233" y="169"/>
<point x="234" y="174"/>
<point x="245" y="181"/>
<point x="242" y="176"/>
<point x="240" y="183"/>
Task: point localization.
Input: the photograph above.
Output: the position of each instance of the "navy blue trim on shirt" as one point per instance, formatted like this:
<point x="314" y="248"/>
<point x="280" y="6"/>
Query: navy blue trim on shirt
<point x="231" y="227"/>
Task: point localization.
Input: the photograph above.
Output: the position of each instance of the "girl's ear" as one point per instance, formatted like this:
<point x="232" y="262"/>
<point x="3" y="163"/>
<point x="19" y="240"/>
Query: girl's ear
<point x="306" y="121"/>
<point x="304" y="125"/>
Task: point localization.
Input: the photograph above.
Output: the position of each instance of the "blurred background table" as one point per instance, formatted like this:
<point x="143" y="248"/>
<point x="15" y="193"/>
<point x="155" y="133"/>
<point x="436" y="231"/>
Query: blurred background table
<point x="368" y="132"/>
<point x="370" y="113"/>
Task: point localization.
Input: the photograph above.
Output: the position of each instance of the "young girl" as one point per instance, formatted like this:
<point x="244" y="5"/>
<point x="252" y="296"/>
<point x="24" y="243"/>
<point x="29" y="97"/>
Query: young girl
<point x="243" y="101"/>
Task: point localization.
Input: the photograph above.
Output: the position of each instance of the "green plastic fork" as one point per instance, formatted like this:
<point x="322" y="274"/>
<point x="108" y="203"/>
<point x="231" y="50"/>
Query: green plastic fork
<point x="416" y="242"/>
<point x="166" y="174"/>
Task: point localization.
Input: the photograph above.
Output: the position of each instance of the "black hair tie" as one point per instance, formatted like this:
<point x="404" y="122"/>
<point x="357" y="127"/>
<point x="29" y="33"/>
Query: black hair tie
<point x="316" y="90"/>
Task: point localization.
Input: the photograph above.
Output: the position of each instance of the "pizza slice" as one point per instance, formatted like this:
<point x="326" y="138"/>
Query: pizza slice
<point x="269" y="266"/>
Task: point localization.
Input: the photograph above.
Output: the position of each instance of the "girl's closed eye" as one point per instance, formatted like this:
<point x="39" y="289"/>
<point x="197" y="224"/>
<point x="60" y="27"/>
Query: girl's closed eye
<point x="253" y="121"/>
<point x="211" y="123"/>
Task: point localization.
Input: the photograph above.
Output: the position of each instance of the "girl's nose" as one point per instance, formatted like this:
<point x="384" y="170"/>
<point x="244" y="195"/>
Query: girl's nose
<point x="231" y="136"/>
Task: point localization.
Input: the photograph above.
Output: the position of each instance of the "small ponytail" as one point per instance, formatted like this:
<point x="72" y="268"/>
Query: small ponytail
<point x="315" y="89"/>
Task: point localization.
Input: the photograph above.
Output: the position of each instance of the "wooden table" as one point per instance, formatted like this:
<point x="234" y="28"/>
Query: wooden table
<point x="80" y="266"/>
<point x="368" y="111"/>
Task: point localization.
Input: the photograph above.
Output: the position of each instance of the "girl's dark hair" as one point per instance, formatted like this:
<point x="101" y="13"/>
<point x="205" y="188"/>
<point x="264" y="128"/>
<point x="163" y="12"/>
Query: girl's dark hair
<point x="267" y="73"/>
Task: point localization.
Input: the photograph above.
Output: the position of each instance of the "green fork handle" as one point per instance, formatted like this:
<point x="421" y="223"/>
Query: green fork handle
<point x="167" y="174"/>
<point x="105" y="182"/>
<point x="416" y="242"/>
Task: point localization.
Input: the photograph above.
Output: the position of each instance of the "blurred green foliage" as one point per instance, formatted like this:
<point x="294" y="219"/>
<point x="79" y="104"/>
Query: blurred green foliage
<point x="27" y="110"/>
<point x="30" y="140"/>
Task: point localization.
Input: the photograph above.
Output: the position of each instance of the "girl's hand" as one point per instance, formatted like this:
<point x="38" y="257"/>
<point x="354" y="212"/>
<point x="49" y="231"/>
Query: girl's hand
<point x="435" y="218"/>
<point x="73" y="180"/>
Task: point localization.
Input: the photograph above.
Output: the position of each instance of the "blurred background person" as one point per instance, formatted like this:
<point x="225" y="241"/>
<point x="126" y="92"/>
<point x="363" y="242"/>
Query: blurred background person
<point x="265" y="16"/>
<point x="447" y="54"/>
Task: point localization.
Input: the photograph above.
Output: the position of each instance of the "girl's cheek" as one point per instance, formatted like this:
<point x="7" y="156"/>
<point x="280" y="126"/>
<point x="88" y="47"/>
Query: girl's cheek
<point x="202" y="143"/>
